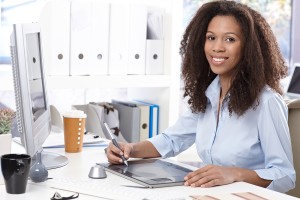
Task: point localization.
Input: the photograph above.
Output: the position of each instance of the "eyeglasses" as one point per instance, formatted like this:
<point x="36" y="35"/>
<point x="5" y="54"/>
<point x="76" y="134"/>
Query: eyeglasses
<point x="57" y="196"/>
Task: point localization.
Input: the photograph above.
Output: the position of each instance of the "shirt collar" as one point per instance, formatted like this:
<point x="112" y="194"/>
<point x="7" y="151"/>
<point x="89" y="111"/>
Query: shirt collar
<point x="213" y="91"/>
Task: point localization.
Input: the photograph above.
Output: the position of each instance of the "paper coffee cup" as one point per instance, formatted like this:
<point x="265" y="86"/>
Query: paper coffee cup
<point x="74" y="124"/>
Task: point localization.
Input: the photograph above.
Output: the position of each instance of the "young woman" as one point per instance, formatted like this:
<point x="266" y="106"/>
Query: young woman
<point x="231" y="68"/>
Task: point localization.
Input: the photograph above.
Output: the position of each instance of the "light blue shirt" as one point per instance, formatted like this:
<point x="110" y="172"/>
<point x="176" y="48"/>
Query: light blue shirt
<point x="258" y="140"/>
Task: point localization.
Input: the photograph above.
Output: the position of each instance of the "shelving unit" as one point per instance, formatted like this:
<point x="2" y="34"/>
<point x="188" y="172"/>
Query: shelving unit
<point x="159" y="89"/>
<point x="130" y="81"/>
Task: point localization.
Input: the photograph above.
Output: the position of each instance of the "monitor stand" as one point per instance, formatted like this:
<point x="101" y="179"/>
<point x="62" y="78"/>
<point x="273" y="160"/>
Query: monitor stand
<point x="52" y="160"/>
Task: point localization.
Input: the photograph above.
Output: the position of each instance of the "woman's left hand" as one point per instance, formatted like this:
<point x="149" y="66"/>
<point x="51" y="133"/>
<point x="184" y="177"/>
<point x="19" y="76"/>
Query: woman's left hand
<point x="211" y="175"/>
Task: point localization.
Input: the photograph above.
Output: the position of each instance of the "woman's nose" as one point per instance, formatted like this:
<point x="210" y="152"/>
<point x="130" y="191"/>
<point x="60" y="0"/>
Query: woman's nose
<point x="218" y="46"/>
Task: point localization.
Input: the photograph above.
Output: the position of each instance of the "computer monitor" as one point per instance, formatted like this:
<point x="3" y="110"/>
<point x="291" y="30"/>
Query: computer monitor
<point x="33" y="110"/>
<point x="293" y="90"/>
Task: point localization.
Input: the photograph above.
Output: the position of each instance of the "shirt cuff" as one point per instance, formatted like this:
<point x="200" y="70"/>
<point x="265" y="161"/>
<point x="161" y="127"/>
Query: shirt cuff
<point x="161" y="147"/>
<point x="280" y="183"/>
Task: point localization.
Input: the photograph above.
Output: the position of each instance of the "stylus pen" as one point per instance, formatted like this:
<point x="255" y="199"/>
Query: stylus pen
<point x="115" y="142"/>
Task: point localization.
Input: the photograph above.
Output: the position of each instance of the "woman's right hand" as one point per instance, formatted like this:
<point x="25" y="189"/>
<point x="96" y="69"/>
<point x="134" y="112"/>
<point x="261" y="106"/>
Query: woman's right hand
<point x="114" y="154"/>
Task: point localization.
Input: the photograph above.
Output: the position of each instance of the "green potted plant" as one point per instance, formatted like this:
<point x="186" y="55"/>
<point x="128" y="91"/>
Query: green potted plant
<point x="6" y="117"/>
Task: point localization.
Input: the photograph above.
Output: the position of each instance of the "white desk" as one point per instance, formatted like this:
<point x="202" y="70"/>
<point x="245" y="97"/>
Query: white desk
<point x="78" y="169"/>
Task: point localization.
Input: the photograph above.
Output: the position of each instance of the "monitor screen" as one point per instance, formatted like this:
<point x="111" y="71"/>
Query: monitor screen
<point x="294" y="85"/>
<point x="37" y="93"/>
<point x="33" y="110"/>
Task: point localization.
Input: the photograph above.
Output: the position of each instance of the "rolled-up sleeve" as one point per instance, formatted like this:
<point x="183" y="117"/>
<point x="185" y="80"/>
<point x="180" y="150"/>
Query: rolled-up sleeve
<point x="178" y="137"/>
<point x="276" y="145"/>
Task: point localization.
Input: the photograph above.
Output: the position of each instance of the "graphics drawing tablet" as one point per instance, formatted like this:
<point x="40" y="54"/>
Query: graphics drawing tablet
<point x="152" y="173"/>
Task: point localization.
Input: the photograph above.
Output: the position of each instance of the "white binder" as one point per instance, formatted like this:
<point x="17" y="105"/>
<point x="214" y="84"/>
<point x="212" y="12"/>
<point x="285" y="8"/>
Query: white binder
<point x="137" y="39"/>
<point x="89" y="38"/>
<point x="80" y="36"/>
<point x="155" y="42"/>
<point x="99" y="38"/>
<point x="55" y="34"/>
<point x="144" y="120"/>
<point x="118" y="41"/>
<point x="153" y="118"/>
<point x="155" y="57"/>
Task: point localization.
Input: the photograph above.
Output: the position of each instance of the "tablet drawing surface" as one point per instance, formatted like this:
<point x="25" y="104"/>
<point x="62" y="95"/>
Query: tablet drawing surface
<point x="151" y="173"/>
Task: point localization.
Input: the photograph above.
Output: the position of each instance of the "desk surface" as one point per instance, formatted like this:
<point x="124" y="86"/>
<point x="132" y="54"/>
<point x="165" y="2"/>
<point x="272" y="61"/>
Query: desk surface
<point x="115" y="187"/>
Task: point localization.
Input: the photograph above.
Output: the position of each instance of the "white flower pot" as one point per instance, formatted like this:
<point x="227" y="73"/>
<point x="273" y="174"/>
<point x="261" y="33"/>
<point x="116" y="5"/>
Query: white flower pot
<point x="5" y="144"/>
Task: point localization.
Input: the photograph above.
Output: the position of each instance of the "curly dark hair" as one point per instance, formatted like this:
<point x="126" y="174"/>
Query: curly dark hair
<point x="261" y="62"/>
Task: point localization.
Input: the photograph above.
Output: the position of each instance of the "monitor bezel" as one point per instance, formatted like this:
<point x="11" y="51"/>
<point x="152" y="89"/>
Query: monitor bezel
<point x="288" y="93"/>
<point x="30" y="130"/>
<point x="32" y="133"/>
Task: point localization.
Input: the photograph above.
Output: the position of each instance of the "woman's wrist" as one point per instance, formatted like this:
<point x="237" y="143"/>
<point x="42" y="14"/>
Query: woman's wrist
<point x="238" y="174"/>
<point x="137" y="150"/>
<point x="132" y="150"/>
<point x="249" y="176"/>
<point x="144" y="149"/>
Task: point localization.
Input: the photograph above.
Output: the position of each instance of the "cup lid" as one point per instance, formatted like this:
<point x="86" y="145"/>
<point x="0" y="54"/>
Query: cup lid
<point x="74" y="114"/>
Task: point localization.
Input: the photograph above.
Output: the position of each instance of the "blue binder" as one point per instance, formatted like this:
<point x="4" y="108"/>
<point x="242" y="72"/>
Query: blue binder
<point x="153" y="119"/>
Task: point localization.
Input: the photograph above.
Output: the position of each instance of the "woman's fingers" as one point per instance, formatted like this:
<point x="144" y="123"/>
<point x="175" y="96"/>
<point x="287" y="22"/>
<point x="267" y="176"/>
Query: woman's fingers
<point x="198" y="179"/>
<point x="113" y="154"/>
<point x="128" y="148"/>
<point x="210" y="176"/>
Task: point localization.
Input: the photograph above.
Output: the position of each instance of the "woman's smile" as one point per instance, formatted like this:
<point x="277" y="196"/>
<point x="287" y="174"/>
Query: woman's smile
<point x="218" y="60"/>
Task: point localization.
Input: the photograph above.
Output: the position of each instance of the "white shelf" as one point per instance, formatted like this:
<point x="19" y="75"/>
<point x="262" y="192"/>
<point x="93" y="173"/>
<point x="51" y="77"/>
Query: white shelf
<point x="104" y="81"/>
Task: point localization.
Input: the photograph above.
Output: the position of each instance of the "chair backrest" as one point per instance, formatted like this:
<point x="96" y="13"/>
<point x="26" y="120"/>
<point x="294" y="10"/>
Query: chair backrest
<point x="294" y="126"/>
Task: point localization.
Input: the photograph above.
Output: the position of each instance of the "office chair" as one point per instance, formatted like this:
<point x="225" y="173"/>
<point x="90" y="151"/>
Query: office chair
<point x="294" y="126"/>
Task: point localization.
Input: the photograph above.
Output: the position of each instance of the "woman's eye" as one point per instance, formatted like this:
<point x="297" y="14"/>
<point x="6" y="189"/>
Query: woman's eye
<point x="210" y="37"/>
<point x="230" y="39"/>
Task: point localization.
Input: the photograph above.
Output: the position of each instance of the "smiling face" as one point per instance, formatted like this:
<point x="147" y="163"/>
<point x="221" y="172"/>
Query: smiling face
<point x="223" y="45"/>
